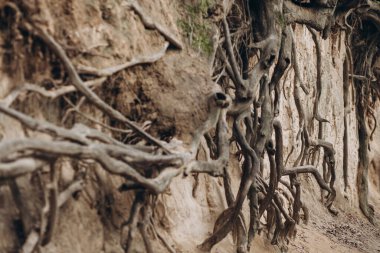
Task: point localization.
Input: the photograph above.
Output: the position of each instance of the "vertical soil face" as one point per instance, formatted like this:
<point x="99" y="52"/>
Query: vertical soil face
<point x="173" y="94"/>
<point x="172" y="99"/>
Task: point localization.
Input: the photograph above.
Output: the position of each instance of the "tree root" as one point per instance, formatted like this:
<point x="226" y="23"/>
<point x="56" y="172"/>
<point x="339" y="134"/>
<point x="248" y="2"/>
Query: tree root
<point x="88" y="93"/>
<point x="34" y="236"/>
<point x="150" y="24"/>
<point x="109" y="71"/>
<point x="317" y="116"/>
<point x="149" y="169"/>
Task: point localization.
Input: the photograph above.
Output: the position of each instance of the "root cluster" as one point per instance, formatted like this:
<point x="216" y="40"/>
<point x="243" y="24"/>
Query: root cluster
<point x="248" y="108"/>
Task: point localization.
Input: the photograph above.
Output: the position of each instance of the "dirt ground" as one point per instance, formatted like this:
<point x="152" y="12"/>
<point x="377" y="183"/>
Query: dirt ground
<point x="347" y="232"/>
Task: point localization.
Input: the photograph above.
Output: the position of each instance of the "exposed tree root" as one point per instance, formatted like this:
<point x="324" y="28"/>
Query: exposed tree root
<point x="34" y="236"/>
<point x="88" y="93"/>
<point x="52" y="94"/>
<point x="114" y="69"/>
<point x="346" y="110"/>
<point x="151" y="24"/>
<point x="317" y="116"/>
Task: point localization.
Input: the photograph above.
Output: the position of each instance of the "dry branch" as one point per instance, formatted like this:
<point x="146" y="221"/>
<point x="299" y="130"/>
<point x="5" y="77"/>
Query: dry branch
<point x="88" y="93"/>
<point x="98" y="152"/>
<point x="317" y="17"/>
<point x="20" y="167"/>
<point x="76" y="109"/>
<point x="131" y="223"/>
<point x="52" y="94"/>
<point x="308" y="169"/>
<point x="317" y="115"/>
<point x="148" y="171"/>
<point x="42" y="126"/>
<point x="239" y="83"/>
<point x="109" y="71"/>
<point x="34" y="236"/>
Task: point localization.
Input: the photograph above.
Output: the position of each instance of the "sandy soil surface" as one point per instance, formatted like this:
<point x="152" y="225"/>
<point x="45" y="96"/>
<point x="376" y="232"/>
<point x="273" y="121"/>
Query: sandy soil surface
<point x="347" y="232"/>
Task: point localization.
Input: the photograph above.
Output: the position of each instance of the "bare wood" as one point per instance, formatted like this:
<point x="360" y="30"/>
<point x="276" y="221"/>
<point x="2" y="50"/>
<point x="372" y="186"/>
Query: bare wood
<point x="88" y="93"/>
<point x="95" y="152"/>
<point x="20" y="167"/>
<point x="31" y="242"/>
<point x="34" y="237"/>
<point x="314" y="17"/>
<point x="76" y="110"/>
<point x="62" y="90"/>
<point x="308" y="169"/>
<point x="52" y="94"/>
<point x="237" y="76"/>
<point x="52" y="203"/>
<point x="42" y="126"/>
<point x="109" y="71"/>
<point x="317" y="115"/>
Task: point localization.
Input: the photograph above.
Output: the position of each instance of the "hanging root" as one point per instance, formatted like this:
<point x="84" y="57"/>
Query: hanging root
<point x="317" y="116"/>
<point x="261" y="28"/>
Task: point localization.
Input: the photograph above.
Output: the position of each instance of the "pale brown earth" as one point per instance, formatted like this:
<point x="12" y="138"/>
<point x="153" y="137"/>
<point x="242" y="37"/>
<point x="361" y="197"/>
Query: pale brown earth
<point x="349" y="232"/>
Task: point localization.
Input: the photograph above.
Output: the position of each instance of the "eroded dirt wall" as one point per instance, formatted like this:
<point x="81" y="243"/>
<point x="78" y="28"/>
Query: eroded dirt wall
<point x="170" y="97"/>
